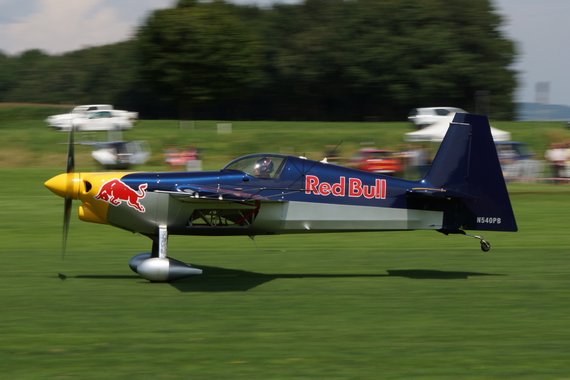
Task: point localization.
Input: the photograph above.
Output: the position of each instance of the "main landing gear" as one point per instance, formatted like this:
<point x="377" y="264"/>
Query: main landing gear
<point x="156" y="266"/>
<point x="485" y="245"/>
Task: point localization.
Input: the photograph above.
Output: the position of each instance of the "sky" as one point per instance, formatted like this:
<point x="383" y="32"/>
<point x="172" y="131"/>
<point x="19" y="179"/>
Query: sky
<point x="539" y="28"/>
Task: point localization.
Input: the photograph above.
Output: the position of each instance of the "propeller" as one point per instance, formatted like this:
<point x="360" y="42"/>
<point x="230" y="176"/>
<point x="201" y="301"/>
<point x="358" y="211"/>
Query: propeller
<point x="69" y="187"/>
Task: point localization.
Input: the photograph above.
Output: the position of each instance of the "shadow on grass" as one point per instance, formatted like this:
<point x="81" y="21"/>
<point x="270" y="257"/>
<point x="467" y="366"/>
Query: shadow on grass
<point x="428" y="274"/>
<point x="216" y="279"/>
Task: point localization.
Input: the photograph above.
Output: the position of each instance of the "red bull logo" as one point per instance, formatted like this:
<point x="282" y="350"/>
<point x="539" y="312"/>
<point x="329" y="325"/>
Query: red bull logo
<point x="115" y="192"/>
<point x="353" y="187"/>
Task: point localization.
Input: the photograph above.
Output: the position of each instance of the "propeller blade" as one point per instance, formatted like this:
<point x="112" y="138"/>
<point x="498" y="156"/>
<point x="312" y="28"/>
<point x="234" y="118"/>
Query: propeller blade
<point x="66" y="217"/>
<point x="71" y="150"/>
<point x="67" y="205"/>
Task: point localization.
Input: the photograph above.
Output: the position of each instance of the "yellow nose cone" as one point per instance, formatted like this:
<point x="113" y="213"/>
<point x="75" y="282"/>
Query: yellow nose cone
<point x="64" y="185"/>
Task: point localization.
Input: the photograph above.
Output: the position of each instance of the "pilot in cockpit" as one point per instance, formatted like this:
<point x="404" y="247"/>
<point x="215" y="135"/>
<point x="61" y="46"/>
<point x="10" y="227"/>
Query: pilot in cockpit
<point x="263" y="167"/>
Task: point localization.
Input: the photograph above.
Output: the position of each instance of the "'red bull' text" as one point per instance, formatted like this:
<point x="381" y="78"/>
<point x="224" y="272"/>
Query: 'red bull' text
<point x="353" y="187"/>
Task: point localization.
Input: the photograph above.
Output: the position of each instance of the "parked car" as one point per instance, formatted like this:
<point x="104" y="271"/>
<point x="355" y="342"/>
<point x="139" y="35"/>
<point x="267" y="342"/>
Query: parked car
<point x="377" y="161"/>
<point x="423" y="117"/>
<point x="105" y="107"/>
<point x="93" y="117"/>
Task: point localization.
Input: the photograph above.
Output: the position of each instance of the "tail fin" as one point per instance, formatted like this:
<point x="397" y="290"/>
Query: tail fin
<point x="467" y="168"/>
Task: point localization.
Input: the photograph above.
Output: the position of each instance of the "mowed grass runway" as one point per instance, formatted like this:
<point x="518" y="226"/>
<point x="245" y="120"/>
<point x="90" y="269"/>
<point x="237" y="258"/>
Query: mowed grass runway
<point x="396" y="305"/>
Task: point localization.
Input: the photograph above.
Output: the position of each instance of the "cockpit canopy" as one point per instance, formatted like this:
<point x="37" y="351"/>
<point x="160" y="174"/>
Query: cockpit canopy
<point x="259" y="165"/>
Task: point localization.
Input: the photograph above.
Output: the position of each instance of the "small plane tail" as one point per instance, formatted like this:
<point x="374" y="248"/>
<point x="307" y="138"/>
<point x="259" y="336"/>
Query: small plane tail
<point x="467" y="178"/>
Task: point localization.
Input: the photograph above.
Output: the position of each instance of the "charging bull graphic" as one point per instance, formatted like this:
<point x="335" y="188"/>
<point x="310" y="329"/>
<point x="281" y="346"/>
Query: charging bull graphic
<point x="115" y="192"/>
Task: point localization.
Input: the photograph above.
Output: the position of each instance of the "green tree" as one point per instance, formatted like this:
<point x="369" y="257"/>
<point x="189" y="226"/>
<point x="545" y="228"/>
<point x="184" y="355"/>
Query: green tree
<point x="26" y="67"/>
<point x="198" y="55"/>
<point x="318" y="59"/>
<point x="96" y="75"/>
<point x="371" y="58"/>
<point x="7" y="75"/>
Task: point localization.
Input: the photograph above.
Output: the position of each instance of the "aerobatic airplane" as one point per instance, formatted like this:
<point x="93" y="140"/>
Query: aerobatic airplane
<point x="264" y="194"/>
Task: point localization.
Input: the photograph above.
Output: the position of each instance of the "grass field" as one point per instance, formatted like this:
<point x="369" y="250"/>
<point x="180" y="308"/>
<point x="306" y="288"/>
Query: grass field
<point x="397" y="305"/>
<point x="340" y="306"/>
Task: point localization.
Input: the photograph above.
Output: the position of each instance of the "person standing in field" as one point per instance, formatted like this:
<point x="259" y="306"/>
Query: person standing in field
<point x="556" y="156"/>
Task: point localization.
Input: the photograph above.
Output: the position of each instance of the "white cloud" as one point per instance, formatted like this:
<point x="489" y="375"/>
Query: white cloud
<point x="57" y="26"/>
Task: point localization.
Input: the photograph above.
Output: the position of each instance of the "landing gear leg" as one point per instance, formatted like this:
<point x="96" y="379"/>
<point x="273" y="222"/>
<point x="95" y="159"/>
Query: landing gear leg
<point x="485" y="245"/>
<point x="162" y="242"/>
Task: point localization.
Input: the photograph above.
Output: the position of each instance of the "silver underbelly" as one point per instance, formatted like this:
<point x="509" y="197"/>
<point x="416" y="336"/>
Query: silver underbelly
<point x="306" y="216"/>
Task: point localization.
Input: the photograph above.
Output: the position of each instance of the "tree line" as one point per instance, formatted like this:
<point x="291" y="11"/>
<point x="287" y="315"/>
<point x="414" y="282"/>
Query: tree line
<point x="315" y="60"/>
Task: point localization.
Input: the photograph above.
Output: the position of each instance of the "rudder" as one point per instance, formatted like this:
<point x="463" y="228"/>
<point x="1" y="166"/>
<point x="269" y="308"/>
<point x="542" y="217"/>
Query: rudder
<point x="467" y="168"/>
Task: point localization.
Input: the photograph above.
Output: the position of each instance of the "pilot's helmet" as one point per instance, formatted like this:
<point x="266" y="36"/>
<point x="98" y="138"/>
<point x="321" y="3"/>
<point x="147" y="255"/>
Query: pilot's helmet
<point x="263" y="167"/>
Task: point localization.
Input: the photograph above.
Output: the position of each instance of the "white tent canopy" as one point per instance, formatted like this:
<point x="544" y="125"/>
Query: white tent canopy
<point x="436" y="132"/>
